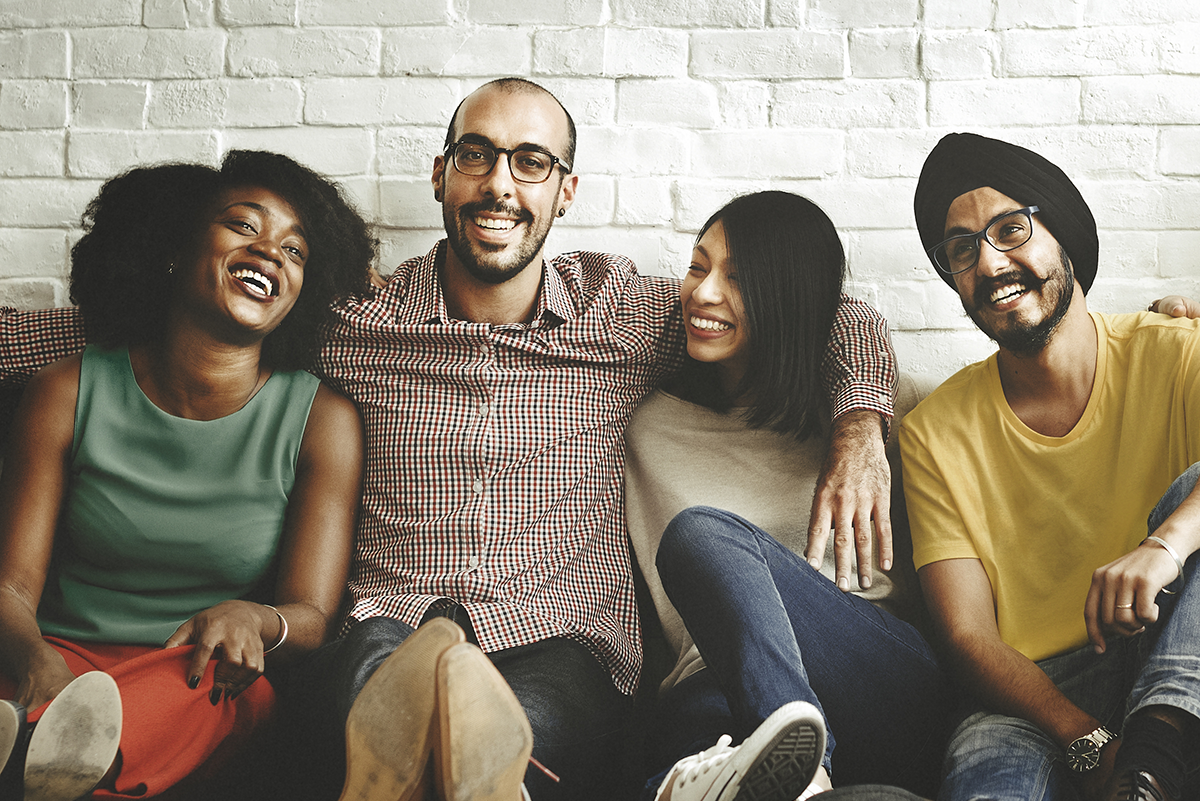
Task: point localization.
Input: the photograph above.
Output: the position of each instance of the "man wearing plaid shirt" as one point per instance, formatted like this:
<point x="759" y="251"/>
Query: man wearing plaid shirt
<point x="495" y="399"/>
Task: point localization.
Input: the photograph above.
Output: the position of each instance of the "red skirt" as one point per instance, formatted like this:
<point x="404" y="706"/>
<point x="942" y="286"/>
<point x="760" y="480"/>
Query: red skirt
<point x="168" y="730"/>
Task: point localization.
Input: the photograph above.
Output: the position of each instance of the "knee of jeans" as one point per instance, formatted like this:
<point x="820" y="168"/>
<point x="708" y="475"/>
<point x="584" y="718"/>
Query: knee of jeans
<point x="1180" y="489"/>
<point x="687" y="538"/>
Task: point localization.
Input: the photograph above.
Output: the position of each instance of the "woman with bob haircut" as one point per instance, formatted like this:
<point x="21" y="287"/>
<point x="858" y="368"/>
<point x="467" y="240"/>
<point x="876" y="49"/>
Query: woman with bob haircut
<point x="720" y="466"/>
<point x="178" y="501"/>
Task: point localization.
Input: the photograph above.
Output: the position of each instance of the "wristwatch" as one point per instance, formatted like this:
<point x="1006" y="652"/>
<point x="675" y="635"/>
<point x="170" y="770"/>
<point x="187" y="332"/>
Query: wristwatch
<point x="1083" y="755"/>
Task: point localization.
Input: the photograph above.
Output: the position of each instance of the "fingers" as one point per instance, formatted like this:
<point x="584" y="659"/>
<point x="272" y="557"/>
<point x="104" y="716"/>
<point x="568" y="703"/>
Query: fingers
<point x="883" y="530"/>
<point x="818" y="530"/>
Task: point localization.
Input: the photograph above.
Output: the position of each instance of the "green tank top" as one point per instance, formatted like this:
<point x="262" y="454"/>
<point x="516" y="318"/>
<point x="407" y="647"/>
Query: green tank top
<point x="164" y="516"/>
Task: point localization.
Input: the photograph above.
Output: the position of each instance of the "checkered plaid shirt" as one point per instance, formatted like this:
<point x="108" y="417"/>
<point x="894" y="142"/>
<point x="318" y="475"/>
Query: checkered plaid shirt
<point x="495" y="452"/>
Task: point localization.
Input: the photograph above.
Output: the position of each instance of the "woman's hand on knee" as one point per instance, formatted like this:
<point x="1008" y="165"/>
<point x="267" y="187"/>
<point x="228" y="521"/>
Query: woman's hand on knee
<point x="233" y="632"/>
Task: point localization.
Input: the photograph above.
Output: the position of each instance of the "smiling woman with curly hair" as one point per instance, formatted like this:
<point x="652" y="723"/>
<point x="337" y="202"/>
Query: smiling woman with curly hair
<point x="183" y="472"/>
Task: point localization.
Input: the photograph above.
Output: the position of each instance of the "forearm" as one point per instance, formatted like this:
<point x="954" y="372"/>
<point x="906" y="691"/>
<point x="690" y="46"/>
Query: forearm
<point x="24" y="651"/>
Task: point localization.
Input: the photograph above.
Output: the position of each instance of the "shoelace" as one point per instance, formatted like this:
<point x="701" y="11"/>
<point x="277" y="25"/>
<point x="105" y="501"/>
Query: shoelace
<point x="1139" y="788"/>
<point x="695" y="766"/>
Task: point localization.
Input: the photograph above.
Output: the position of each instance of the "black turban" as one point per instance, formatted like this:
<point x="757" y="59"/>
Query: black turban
<point x="963" y="162"/>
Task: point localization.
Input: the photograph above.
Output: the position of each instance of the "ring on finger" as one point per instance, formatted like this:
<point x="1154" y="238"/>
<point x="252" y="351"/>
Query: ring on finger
<point x="1124" y="606"/>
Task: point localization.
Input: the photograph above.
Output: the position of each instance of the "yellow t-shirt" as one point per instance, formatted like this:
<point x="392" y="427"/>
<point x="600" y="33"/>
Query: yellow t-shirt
<point x="1042" y="513"/>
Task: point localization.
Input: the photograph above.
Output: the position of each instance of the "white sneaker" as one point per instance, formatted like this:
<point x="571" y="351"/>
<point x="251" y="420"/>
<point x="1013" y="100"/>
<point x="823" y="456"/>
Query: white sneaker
<point x="75" y="741"/>
<point x="775" y="763"/>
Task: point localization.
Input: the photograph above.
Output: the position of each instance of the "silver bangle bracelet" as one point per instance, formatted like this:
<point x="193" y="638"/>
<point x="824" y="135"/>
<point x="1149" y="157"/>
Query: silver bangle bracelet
<point x="282" y="625"/>
<point x="1174" y="555"/>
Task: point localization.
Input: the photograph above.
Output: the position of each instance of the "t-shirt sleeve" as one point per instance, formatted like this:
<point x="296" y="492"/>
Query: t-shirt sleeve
<point x="938" y="530"/>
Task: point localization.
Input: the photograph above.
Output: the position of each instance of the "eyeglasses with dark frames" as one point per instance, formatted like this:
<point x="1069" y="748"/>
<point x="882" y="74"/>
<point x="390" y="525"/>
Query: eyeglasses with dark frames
<point x="526" y="165"/>
<point x="1007" y="232"/>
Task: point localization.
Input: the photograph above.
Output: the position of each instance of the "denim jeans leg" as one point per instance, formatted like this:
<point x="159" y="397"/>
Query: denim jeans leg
<point x="688" y="718"/>
<point x="774" y="630"/>
<point x="1170" y="675"/>
<point x="576" y="713"/>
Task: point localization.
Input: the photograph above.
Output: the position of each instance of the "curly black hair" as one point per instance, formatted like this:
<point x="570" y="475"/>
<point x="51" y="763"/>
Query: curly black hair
<point x="145" y="220"/>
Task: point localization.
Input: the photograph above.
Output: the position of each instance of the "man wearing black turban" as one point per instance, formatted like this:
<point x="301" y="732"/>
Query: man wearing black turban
<point x="1027" y="477"/>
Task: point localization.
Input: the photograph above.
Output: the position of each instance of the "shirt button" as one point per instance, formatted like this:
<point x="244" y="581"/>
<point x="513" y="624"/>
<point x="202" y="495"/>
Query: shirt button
<point x="483" y="348"/>
<point x="477" y="486"/>
<point x="473" y="561"/>
<point x="483" y="408"/>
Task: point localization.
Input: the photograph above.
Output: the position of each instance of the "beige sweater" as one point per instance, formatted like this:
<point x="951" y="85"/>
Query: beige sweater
<point x="679" y="455"/>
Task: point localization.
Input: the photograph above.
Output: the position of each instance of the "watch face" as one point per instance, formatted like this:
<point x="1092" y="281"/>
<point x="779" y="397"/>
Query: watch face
<point x="1083" y="755"/>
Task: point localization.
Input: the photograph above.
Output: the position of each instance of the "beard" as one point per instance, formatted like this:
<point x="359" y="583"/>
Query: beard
<point x="487" y="264"/>
<point x="1022" y="337"/>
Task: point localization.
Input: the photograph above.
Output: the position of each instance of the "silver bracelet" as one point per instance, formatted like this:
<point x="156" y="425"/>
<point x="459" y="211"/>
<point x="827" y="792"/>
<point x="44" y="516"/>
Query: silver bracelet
<point x="1174" y="555"/>
<point x="282" y="624"/>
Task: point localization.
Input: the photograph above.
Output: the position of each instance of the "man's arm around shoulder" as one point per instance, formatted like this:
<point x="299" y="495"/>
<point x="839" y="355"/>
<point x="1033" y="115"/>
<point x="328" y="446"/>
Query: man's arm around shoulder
<point x="29" y="340"/>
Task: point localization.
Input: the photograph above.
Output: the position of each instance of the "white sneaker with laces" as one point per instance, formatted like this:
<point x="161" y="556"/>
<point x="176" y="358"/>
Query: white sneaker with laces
<point x="775" y="763"/>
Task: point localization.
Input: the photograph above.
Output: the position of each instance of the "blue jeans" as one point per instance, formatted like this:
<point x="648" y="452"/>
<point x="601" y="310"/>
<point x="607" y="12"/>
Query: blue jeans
<point x="994" y="756"/>
<point x="772" y="630"/>
<point x="573" y="708"/>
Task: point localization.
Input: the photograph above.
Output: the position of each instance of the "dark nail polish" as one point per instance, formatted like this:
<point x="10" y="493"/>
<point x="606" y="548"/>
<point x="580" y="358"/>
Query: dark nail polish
<point x="215" y="696"/>
<point x="193" y="682"/>
<point x="233" y="696"/>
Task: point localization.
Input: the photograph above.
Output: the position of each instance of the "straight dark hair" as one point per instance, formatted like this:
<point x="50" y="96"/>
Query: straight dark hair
<point x="790" y="268"/>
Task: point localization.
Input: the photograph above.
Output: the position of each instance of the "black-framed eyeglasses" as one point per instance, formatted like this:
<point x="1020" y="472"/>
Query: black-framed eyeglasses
<point x="1007" y="232"/>
<point x="527" y="166"/>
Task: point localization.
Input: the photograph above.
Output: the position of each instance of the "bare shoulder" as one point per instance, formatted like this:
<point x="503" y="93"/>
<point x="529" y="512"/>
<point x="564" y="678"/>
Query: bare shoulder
<point x="54" y="385"/>
<point x="334" y="428"/>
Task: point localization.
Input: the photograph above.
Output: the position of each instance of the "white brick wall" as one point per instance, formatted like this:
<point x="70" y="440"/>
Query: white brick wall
<point x="677" y="101"/>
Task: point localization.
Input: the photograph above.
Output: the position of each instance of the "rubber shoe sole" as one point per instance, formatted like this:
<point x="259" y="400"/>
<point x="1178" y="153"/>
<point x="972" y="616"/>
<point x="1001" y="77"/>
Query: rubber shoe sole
<point x="75" y="741"/>
<point x="390" y="729"/>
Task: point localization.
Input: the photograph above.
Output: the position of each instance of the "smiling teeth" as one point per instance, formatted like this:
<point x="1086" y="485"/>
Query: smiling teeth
<point x="256" y="281"/>
<point x="705" y="324"/>
<point x="494" y="224"/>
<point x="1004" y="293"/>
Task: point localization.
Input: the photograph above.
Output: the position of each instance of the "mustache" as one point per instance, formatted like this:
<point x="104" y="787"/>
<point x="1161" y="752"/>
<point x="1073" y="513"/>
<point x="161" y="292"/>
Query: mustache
<point x="499" y="207"/>
<point x="985" y="288"/>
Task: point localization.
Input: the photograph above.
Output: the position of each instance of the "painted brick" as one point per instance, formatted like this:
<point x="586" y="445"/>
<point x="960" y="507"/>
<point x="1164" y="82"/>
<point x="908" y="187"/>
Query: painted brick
<point x="31" y="293"/>
<point x="455" y="51"/>
<point x="398" y="245"/>
<point x="33" y="252"/>
<point x="885" y="203"/>
<point x="72" y="13"/>
<point x="32" y="154"/>
<point x="1179" y="255"/>
<point x="632" y="151"/>
<point x="643" y="201"/>
<point x="380" y="101"/>
<point x="745" y="104"/>
<point x="801" y="154"/>
<point x="544" y="12"/>
<point x="1130" y="205"/>
<point x="409" y="151"/>
<point x="863" y="13"/>
<point x="43" y="202"/>
<point x="188" y="104"/>
<point x="1101" y="153"/>
<point x="850" y="103"/>
<point x="785" y="14"/>
<point x="645" y="251"/>
<point x="939" y="353"/>
<point x="374" y="12"/>
<point x="164" y="13"/>
<point x="1180" y="48"/>
<point x="888" y="256"/>
<point x="1159" y="99"/>
<point x="240" y="13"/>
<point x="363" y="193"/>
<point x="1129" y="254"/>
<point x="109" y="105"/>
<point x="767" y="54"/>
<point x="691" y="14"/>
<point x="595" y="202"/>
<point x="263" y="103"/>
<point x="33" y="54"/>
<point x="1180" y="151"/>
<point x="1090" y="51"/>
<point x="1040" y="13"/>
<point x="645" y="53"/>
<point x="124" y="54"/>
<point x="590" y="101"/>
<point x="1122" y="12"/>
<point x="332" y="151"/>
<point x="689" y="104"/>
<point x="1115" y="296"/>
<point x="696" y="199"/>
<point x="974" y="14"/>
<point x="288" y="52"/>
<point x="974" y="104"/>
<point x="958" y="55"/>
<point x="883" y="54"/>
<point x="33" y="104"/>
<point x="572" y="51"/>
<point x="889" y="153"/>
<point x="409" y="202"/>
<point x="104" y="154"/>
